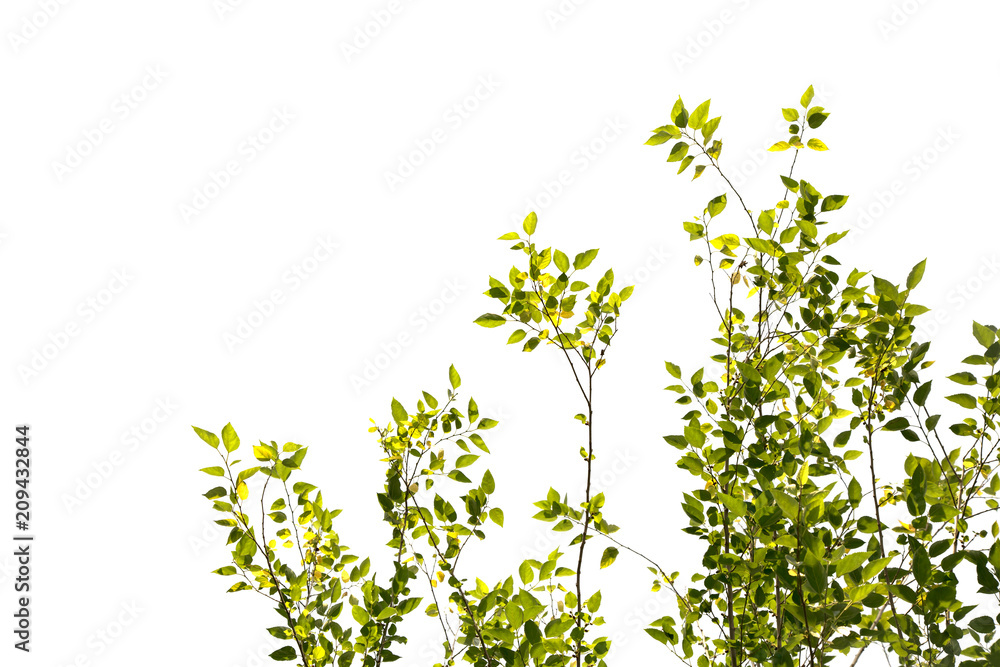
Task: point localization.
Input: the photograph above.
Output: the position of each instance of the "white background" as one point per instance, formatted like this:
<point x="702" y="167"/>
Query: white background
<point x="906" y="81"/>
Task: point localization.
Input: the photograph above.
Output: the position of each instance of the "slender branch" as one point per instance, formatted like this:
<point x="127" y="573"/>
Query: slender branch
<point x="433" y="539"/>
<point x="586" y="513"/>
<point x="878" y="519"/>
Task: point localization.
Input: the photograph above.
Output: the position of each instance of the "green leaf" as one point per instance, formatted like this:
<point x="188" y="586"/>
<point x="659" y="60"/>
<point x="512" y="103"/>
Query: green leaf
<point x="921" y="565"/>
<point x="454" y="377"/>
<point x="816" y="145"/>
<point x="964" y="378"/>
<point x="815" y="572"/>
<point x="496" y="514"/>
<point x="734" y="505"/>
<point x="609" y="556"/>
<point x="530" y="223"/>
<point x="695" y="436"/>
<point x="678" y="152"/>
<point x="246" y="546"/>
<point x="215" y="471"/>
<point x="210" y="438"/>
<point x="780" y="146"/>
<point x="526" y="572"/>
<point x="851" y="562"/>
<point x="717" y="205"/>
<point x="854" y="492"/>
<point x="699" y="115"/>
<point x="509" y="236"/>
<point x="561" y="260"/>
<point x="790" y="115"/>
<point x="982" y="624"/>
<point x="532" y="633"/>
<point x="583" y="260"/>
<point x="674" y="370"/>
<point x="659" y="138"/>
<point x="516" y="337"/>
<point x="965" y="400"/>
<point x="284" y="653"/>
<point x="488" y="485"/>
<point x="490" y="321"/>
<point x="749" y="372"/>
<point x="708" y="130"/>
<point x="916" y="273"/>
<point x="834" y="202"/>
<point x="807" y="97"/>
<point x="788" y="505"/>
<point x="466" y="460"/>
<point x="897" y="424"/>
<point x="731" y="240"/>
<point x="229" y="438"/>
<point x="264" y="452"/>
<point x="983" y="334"/>
<point x="360" y="615"/>
<point x="920" y="395"/>
<point x="659" y="635"/>
<point x="399" y="414"/>
<point x="873" y="568"/>
<point x="817" y="118"/>
<point x="884" y="288"/>
<point x="678" y="114"/>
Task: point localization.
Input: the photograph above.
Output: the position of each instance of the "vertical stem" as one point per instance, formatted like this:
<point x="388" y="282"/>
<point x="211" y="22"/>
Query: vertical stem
<point x="802" y="596"/>
<point x="777" y="598"/>
<point x="734" y="654"/>
<point x="586" y="513"/>
<point x="878" y="517"/>
<point x="399" y="560"/>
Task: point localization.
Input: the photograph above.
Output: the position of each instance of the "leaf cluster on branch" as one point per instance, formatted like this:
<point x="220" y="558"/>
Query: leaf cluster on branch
<point x="814" y="548"/>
